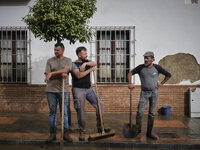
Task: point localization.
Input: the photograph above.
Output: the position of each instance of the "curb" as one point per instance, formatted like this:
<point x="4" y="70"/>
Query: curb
<point x="102" y="144"/>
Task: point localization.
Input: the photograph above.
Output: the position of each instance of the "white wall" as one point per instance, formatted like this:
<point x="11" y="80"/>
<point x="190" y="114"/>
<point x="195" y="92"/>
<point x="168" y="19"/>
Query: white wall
<point x="163" y="26"/>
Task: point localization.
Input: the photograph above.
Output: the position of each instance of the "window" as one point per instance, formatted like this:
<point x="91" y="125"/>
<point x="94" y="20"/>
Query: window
<point x="13" y="55"/>
<point x="113" y="50"/>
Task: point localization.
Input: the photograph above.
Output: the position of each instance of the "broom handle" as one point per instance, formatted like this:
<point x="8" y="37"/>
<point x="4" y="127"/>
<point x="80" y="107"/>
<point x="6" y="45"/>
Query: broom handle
<point x="95" y="83"/>
<point x="131" y="90"/>
<point x="63" y="98"/>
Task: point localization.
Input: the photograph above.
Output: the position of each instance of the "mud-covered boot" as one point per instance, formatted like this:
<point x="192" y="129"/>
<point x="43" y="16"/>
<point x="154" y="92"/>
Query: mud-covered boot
<point x="149" y="128"/>
<point x="137" y="129"/>
<point x="66" y="136"/>
<point x="139" y="125"/>
<point x="82" y="136"/>
<point x="51" y="138"/>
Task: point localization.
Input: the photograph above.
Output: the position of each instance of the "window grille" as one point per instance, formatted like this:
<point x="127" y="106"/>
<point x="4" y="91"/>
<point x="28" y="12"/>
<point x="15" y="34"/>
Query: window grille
<point x="14" y="55"/>
<point x="114" y="53"/>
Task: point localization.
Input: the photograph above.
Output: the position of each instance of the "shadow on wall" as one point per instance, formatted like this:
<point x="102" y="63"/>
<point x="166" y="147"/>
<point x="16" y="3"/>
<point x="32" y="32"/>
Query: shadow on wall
<point x="182" y="67"/>
<point x="38" y="69"/>
<point x="14" y="2"/>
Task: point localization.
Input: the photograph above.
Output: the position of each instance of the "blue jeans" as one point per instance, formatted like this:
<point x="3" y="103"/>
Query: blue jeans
<point x="53" y="99"/>
<point x="145" y="97"/>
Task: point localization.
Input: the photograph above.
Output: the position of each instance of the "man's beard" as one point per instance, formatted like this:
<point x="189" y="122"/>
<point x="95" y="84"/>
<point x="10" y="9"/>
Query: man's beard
<point x="57" y="55"/>
<point x="83" y="60"/>
<point x="148" y="63"/>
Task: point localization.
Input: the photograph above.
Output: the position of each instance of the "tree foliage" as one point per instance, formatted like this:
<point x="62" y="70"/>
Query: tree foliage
<point x="61" y="19"/>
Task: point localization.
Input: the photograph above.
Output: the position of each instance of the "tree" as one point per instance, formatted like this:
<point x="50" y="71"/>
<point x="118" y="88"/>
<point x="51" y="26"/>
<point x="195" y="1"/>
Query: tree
<point x="61" y="19"/>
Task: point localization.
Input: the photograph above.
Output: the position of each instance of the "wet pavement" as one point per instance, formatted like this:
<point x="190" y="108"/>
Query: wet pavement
<point x="26" y="130"/>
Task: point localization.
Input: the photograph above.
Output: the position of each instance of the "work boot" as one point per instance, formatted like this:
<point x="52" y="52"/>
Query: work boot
<point x="149" y="128"/>
<point x="51" y="138"/>
<point x="139" y="125"/>
<point x="82" y="136"/>
<point x="66" y="136"/>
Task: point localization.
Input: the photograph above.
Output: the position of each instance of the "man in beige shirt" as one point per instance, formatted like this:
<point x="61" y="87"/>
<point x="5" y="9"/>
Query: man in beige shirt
<point x="54" y="90"/>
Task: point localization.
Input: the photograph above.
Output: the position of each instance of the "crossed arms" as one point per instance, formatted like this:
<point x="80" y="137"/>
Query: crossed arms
<point x="79" y="74"/>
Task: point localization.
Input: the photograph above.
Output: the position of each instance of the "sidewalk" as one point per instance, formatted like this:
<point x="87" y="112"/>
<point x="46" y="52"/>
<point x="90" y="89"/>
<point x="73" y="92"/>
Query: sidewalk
<point x="179" y="132"/>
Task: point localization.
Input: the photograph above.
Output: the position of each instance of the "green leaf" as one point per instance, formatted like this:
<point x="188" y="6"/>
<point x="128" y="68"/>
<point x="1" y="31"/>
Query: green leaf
<point x="61" y="19"/>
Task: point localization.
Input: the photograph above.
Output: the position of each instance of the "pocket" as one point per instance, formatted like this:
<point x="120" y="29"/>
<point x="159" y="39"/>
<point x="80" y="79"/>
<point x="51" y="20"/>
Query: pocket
<point x="76" y="100"/>
<point x="77" y="104"/>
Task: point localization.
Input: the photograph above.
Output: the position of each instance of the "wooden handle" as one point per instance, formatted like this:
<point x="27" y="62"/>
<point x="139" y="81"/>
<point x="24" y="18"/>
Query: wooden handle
<point x="101" y="120"/>
<point x="130" y="119"/>
<point x="63" y="99"/>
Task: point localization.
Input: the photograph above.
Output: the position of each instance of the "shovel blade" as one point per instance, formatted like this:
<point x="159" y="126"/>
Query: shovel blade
<point x="130" y="131"/>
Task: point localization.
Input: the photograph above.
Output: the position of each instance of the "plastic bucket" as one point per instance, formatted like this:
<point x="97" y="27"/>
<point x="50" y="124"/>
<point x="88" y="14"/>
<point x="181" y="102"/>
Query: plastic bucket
<point x="166" y="110"/>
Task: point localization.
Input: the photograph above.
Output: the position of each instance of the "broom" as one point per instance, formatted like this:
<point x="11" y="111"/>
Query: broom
<point x="104" y="134"/>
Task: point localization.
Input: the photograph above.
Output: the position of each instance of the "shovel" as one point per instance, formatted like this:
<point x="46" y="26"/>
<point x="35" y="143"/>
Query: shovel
<point x="129" y="130"/>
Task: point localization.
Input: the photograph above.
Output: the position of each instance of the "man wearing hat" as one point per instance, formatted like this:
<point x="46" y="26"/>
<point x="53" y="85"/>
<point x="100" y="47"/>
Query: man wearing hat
<point x="148" y="73"/>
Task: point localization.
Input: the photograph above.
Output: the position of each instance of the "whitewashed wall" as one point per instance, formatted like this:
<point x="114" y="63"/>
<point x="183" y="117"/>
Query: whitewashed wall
<point x="163" y="26"/>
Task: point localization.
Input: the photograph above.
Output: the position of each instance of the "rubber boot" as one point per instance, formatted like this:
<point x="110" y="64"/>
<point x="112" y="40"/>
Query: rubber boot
<point x="51" y="138"/>
<point x="66" y="136"/>
<point x="138" y="126"/>
<point x="82" y="136"/>
<point x="149" y="128"/>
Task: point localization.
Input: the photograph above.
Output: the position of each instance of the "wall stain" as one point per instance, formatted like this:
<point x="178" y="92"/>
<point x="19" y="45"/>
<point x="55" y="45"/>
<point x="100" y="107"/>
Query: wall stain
<point x="182" y="66"/>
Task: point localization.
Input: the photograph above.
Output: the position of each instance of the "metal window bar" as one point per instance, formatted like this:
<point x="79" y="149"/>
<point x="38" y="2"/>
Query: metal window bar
<point x="119" y="53"/>
<point x="106" y="52"/>
<point x="124" y="51"/>
<point x="114" y="53"/>
<point x="15" y="55"/>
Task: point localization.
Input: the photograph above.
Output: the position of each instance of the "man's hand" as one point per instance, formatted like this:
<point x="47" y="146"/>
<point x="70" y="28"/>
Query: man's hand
<point x="64" y="75"/>
<point x="48" y="76"/>
<point x="131" y="86"/>
<point x="92" y="69"/>
<point x="159" y="84"/>
<point x="82" y="68"/>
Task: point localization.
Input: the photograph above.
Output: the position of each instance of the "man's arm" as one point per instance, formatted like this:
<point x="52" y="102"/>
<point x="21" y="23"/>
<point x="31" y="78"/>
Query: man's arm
<point x="47" y="69"/>
<point x="89" y="63"/>
<point x="163" y="81"/>
<point x="129" y="76"/>
<point x="79" y="74"/>
<point x="165" y="73"/>
<point x="59" y="72"/>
